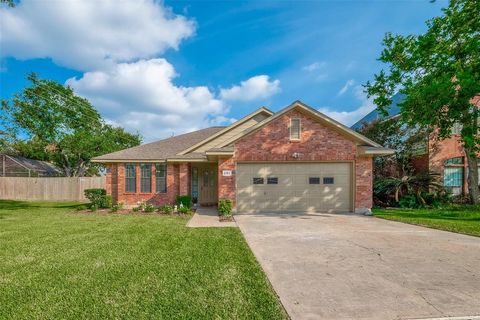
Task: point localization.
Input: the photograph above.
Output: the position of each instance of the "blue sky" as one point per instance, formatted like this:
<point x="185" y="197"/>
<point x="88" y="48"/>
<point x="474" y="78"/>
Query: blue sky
<point x="176" y="66"/>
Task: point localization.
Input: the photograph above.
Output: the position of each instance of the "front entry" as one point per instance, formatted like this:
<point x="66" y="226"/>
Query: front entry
<point x="204" y="183"/>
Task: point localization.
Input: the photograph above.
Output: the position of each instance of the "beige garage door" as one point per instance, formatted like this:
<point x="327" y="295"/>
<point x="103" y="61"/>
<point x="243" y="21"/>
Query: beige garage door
<point x="312" y="187"/>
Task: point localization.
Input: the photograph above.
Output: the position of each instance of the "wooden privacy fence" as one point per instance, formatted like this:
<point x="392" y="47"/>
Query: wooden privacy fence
<point x="45" y="188"/>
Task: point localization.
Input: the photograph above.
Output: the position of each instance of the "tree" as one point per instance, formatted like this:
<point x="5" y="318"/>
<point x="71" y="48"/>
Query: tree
<point x="439" y="74"/>
<point x="47" y="121"/>
<point x="10" y="3"/>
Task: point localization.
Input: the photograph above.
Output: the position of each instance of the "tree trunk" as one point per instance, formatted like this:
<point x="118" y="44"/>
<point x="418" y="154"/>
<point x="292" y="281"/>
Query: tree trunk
<point x="473" y="190"/>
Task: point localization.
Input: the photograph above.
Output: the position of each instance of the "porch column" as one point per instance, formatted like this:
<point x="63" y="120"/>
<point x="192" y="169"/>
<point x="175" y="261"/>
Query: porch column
<point x="183" y="178"/>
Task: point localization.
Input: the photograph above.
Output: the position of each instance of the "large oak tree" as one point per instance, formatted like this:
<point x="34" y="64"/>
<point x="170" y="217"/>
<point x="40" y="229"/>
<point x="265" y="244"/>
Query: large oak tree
<point x="47" y="121"/>
<point x="439" y="74"/>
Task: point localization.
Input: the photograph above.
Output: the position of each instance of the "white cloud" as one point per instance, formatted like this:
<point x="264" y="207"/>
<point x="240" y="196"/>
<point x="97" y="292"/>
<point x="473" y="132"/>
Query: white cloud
<point x="141" y="96"/>
<point x="314" y="66"/>
<point x="88" y="34"/>
<point x="348" y="118"/>
<point x="258" y="87"/>
<point x="345" y="88"/>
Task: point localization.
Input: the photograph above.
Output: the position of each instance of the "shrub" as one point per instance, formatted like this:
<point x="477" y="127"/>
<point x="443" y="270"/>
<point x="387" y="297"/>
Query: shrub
<point x="225" y="207"/>
<point x="166" y="208"/>
<point x="408" y="201"/>
<point x="184" y="200"/>
<point x="98" y="198"/>
<point x="149" y="208"/>
<point x="116" y="207"/>
<point x="183" y="210"/>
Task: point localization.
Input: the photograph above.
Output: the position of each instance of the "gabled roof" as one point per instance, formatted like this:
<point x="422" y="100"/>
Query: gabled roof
<point x="162" y="149"/>
<point x="393" y="110"/>
<point x="315" y="114"/>
<point x="226" y="129"/>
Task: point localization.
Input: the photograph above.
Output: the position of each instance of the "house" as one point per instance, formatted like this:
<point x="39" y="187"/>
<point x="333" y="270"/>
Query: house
<point x="15" y="166"/>
<point x="445" y="157"/>
<point x="297" y="159"/>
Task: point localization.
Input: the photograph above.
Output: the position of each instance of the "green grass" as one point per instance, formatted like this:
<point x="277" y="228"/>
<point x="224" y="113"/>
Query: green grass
<point x="58" y="263"/>
<point x="460" y="219"/>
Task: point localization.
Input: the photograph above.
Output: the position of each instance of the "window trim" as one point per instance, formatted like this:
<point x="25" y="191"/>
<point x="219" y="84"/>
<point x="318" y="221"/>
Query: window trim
<point x="299" y="129"/>
<point x="134" y="177"/>
<point x="164" y="177"/>
<point x="142" y="178"/>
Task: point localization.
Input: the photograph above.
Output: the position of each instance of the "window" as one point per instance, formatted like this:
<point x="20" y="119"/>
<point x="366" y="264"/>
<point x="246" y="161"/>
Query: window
<point x="195" y="184"/>
<point x="295" y="129"/>
<point x="130" y="178"/>
<point x="328" y="180"/>
<point x="314" y="180"/>
<point x="257" y="180"/>
<point x="161" y="177"/>
<point x="453" y="179"/>
<point x="272" y="180"/>
<point x="146" y="177"/>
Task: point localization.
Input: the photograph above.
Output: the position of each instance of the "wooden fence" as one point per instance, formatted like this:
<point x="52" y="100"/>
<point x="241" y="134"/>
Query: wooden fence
<point x="44" y="188"/>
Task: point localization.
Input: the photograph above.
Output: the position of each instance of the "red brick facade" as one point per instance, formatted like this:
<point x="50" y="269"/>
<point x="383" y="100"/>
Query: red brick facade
<point x="272" y="142"/>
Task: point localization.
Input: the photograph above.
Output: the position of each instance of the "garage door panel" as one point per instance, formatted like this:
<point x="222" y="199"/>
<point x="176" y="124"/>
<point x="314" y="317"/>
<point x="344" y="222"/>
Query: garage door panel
<point x="294" y="191"/>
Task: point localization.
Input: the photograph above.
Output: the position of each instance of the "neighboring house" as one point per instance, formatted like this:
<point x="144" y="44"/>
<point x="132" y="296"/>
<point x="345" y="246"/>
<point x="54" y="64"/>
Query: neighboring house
<point x="445" y="157"/>
<point x="297" y="159"/>
<point x="14" y="166"/>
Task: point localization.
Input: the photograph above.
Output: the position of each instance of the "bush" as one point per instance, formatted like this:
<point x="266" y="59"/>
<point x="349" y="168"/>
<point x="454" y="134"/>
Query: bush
<point x="408" y="201"/>
<point x="116" y="207"/>
<point x="98" y="198"/>
<point x="184" y="200"/>
<point x="166" y="208"/>
<point x="183" y="210"/>
<point x="149" y="208"/>
<point x="225" y="207"/>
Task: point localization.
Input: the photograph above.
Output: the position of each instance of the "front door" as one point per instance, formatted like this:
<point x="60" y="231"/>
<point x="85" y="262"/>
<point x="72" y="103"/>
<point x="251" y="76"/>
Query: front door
<point x="206" y="183"/>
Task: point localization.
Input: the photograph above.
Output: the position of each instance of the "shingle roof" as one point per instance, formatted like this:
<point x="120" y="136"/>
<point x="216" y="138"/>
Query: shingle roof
<point x="41" y="167"/>
<point x="162" y="149"/>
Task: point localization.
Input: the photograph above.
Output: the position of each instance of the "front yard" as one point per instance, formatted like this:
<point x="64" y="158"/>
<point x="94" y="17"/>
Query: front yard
<point x="460" y="219"/>
<point x="58" y="263"/>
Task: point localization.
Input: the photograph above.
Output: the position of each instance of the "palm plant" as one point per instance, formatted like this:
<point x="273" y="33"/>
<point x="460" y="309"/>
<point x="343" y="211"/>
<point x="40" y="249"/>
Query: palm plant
<point x="417" y="185"/>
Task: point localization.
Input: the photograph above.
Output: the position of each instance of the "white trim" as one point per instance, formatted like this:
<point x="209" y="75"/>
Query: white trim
<point x="299" y="129"/>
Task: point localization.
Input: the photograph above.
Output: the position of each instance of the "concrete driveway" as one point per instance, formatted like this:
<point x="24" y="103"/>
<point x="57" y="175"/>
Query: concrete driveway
<point x="328" y="266"/>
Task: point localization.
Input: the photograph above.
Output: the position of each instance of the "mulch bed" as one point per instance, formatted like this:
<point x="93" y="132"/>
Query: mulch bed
<point x="226" y="218"/>
<point x="129" y="211"/>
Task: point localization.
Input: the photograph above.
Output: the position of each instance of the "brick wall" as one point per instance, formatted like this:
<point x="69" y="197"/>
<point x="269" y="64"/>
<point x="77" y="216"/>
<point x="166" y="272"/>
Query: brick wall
<point x="317" y="143"/>
<point x="116" y="185"/>
<point x="226" y="185"/>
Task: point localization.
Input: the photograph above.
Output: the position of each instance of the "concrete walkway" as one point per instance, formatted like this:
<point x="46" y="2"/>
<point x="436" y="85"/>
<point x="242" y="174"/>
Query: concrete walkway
<point x="327" y="266"/>
<point x="208" y="218"/>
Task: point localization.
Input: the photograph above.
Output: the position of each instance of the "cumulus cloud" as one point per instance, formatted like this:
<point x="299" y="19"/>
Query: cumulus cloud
<point x="348" y="118"/>
<point x="88" y="34"/>
<point x="141" y="96"/>
<point x="345" y="88"/>
<point x="258" y="87"/>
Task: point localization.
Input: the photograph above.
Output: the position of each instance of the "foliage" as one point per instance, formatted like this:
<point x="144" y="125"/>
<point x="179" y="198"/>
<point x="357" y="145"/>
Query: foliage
<point x="225" y="207"/>
<point x="47" y="121"/>
<point x="408" y="201"/>
<point x="10" y="3"/>
<point x="438" y="72"/>
<point x="184" y="200"/>
<point x="149" y="208"/>
<point x="183" y="210"/>
<point x="116" y="207"/>
<point x="166" y="208"/>
<point x="151" y="266"/>
<point x="408" y="142"/>
<point x="389" y="191"/>
<point x="98" y="198"/>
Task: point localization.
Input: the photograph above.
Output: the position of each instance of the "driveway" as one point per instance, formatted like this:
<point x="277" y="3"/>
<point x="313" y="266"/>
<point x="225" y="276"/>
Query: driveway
<point x="329" y="266"/>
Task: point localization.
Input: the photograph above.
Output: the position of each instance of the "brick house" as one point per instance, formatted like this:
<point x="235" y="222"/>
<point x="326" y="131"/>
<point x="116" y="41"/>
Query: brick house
<point x="297" y="159"/>
<point x="445" y="157"/>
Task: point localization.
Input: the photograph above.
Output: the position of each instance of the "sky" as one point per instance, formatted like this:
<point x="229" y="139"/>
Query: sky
<point x="163" y="68"/>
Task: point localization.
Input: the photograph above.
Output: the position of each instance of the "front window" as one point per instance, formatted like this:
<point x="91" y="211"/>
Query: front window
<point x="161" y="177"/>
<point x="453" y="179"/>
<point x="295" y="129"/>
<point x="130" y="178"/>
<point x="146" y="178"/>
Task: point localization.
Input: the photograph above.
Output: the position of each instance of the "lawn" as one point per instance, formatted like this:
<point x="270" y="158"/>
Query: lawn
<point x="460" y="219"/>
<point x="56" y="263"/>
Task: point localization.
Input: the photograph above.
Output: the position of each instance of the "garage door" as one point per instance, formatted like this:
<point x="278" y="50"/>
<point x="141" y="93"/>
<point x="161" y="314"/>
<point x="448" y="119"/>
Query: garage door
<point x="312" y="187"/>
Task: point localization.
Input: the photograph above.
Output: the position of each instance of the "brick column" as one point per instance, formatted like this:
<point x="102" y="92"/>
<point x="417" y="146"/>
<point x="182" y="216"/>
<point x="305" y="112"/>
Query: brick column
<point x="364" y="184"/>
<point x="226" y="185"/>
<point x="183" y="178"/>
